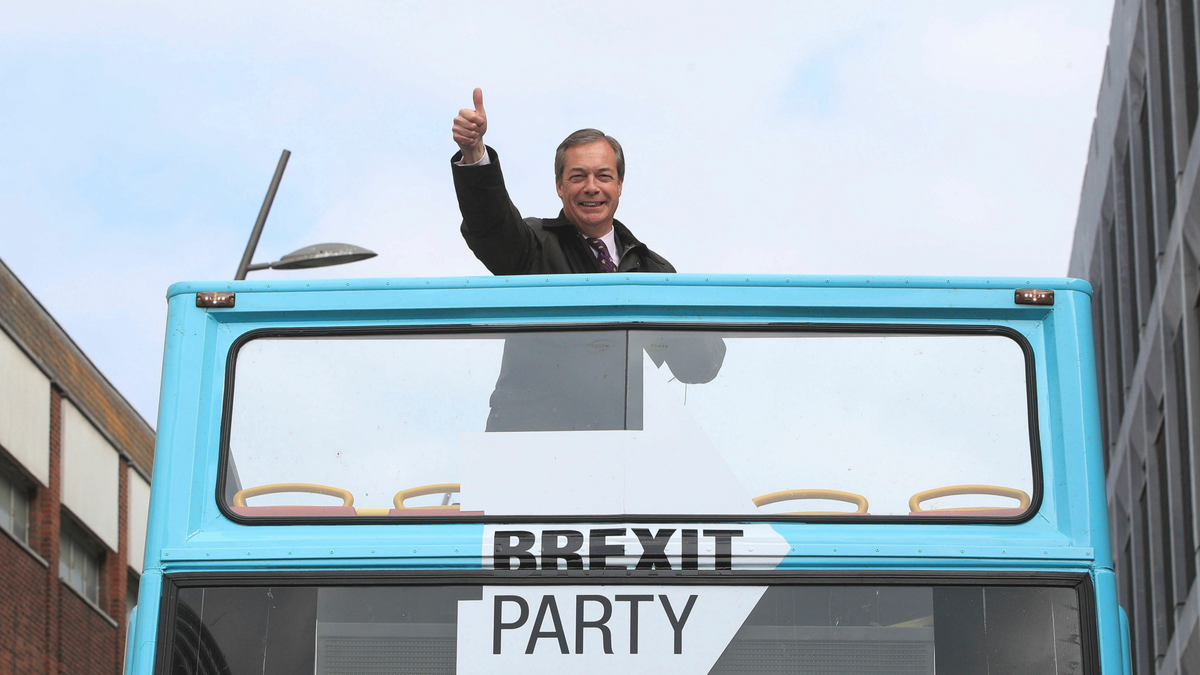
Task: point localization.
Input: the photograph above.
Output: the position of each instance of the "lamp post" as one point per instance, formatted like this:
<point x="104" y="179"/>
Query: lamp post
<point x="319" y="255"/>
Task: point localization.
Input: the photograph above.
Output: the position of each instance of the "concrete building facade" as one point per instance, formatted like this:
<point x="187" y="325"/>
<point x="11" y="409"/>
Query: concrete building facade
<point x="75" y="462"/>
<point x="1137" y="240"/>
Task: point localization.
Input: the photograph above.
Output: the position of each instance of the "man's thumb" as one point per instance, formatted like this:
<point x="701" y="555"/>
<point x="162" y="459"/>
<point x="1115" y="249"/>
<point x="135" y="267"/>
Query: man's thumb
<point x="478" y="100"/>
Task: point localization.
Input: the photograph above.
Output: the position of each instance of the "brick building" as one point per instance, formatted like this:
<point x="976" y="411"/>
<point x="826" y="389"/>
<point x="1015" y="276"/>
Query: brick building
<point x="75" y="461"/>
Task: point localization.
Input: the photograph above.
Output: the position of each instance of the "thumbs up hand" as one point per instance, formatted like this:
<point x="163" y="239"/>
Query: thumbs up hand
<point x="469" y="128"/>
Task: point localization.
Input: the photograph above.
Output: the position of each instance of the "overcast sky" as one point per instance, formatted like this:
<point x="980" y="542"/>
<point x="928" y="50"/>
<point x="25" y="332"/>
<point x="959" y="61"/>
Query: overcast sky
<point x="794" y="137"/>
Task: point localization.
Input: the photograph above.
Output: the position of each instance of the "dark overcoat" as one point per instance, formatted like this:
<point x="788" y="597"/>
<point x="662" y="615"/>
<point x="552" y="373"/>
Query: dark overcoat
<point x="506" y="243"/>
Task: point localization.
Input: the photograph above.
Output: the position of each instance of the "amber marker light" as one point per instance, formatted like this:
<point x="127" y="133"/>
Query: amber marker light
<point x="1034" y="296"/>
<point x="210" y="299"/>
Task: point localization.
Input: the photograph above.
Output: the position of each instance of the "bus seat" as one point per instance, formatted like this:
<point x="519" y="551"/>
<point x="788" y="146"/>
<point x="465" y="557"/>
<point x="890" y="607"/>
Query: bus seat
<point x="974" y="512"/>
<point x="423" y="511"/>
<point x="242" y="509"/>
<point x="836" y="495"/>
<point x="298" y="511"/>
<point x="1023" y="501"/>
<point x="421" y="491"/>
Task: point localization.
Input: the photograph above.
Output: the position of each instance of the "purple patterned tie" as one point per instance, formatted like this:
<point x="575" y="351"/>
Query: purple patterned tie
<point x="602" y="256"/>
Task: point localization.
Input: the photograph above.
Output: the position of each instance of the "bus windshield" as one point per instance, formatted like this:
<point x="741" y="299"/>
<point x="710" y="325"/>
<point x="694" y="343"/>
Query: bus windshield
<point x="692" y="629"/>
<point x="737" y="422"/>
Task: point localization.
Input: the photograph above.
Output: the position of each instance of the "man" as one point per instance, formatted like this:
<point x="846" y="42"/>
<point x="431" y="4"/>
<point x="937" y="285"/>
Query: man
<point x="565" y="380"/>
<point x="589" y="170"/>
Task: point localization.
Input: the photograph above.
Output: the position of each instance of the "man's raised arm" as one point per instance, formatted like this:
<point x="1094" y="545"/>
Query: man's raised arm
<point x="491" y="225"/>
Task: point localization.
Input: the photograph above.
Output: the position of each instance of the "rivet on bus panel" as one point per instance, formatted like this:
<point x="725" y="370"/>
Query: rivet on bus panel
<point x="1034" y="296"/>
<point x="211" y="299"/>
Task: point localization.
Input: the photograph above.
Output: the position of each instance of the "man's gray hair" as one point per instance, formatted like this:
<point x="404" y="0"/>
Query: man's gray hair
<point x="583" y="137"/>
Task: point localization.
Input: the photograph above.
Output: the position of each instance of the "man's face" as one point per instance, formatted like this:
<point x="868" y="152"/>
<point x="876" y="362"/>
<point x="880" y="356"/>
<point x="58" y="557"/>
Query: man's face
<point x="589" y="187"/>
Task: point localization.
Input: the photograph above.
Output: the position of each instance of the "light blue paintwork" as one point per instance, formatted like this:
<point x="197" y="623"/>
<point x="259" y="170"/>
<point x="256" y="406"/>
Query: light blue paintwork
<point x="187" y="531"/>
<point x="1126" y="646"/>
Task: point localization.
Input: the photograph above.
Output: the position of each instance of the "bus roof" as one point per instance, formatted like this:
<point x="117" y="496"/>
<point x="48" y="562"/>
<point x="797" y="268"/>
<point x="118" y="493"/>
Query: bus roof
<point x="712" y="280"/>
<point x="1071" y="524"/>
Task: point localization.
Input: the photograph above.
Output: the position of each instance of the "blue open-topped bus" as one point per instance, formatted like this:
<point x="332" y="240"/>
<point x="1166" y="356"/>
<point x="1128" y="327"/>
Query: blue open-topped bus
<point x="639" y="474"/>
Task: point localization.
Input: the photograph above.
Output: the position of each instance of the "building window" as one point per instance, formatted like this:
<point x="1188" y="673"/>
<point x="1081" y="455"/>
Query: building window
<point x="79" y="564"/>
<point x="1113" y="313"/>
<point x="1128" y="259"/>
<point x="1167" y="165"/>
<point x="1145" y="618"/>
<point x="1166" y="553"/>
<point x="131" y="594"/>
<point x="1183" y="452"/>
<point x="14" y="508"/>
<point x="1125" y="593"/>
<point x="1187" y="16"/>
<point x="1146" y="199"/>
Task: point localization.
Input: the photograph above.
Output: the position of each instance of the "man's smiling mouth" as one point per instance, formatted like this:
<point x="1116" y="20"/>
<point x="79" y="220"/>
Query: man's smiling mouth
<point x="591" y="203"/>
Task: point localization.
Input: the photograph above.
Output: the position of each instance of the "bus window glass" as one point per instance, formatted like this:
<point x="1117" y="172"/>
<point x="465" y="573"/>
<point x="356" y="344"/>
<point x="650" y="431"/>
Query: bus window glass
<point x="777" y="628"/>
<point x="884" y="417"/>
<point x="611" y="422"/>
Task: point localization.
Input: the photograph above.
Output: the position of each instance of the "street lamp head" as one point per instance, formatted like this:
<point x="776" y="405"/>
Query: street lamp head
<point x="322" y="255"/>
